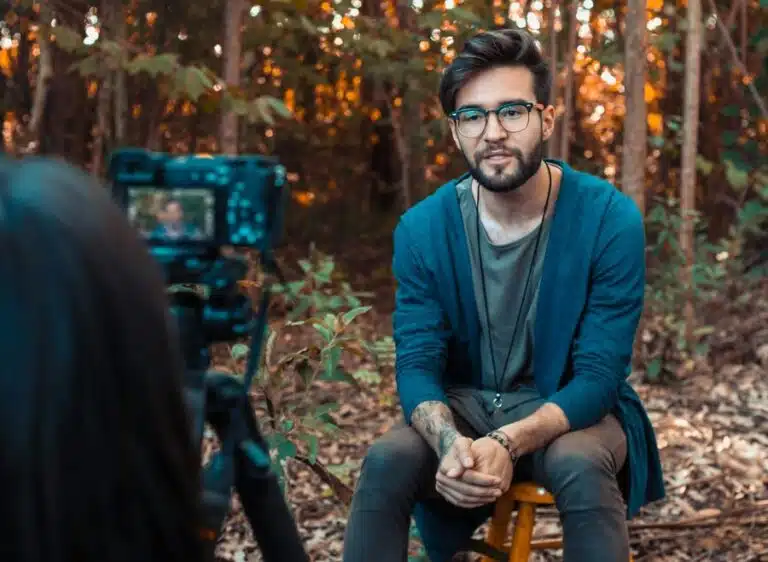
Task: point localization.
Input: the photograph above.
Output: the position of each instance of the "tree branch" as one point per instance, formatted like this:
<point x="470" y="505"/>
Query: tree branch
<point x="737" y="61"/>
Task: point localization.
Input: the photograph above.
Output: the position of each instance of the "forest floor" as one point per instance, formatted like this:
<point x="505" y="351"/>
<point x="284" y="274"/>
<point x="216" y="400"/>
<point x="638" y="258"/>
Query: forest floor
<point x="710" y="417"/>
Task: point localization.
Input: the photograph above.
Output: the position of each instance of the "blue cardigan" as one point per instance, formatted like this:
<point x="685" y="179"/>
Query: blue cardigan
<point x="591" y="299"/>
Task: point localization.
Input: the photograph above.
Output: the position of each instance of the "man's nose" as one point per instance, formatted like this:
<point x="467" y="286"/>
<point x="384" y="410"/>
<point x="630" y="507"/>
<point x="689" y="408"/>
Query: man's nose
<point x="493" y="129"/>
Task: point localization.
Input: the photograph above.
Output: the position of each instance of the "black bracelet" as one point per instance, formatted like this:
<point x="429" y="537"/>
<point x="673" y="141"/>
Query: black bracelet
<point x="501" y="438"/>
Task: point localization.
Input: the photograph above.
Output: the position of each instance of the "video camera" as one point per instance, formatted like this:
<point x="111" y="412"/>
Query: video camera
<point x="190" y="209"/>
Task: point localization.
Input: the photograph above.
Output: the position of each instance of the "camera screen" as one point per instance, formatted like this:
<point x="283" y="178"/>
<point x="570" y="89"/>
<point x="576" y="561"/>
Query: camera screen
<point x="172" y="215"/>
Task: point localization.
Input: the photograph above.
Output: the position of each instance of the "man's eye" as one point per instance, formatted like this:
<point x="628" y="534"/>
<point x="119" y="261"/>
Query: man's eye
<point x="510" y="113"/>
<point x="471" y="116"/>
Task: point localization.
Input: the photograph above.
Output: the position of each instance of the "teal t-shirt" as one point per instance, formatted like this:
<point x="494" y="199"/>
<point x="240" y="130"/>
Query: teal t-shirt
<point x="505" y="268"/>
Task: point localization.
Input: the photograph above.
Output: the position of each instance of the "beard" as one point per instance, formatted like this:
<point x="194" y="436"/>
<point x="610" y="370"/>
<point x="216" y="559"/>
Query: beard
<point x="497" y="180"/>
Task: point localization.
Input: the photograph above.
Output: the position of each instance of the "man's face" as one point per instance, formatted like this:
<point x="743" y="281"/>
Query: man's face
<point x="498" y="159"/>
<point x="174" y="213"/>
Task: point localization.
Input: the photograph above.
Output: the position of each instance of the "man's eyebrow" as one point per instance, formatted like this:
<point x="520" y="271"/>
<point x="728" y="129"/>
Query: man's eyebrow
<point x="505" y="102"/>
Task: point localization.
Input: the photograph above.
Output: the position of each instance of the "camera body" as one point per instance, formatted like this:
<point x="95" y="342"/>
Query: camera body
<point x="192" y="206"/>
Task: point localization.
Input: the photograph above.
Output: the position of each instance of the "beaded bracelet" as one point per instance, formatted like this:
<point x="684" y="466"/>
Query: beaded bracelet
<point x="503" y="440"/>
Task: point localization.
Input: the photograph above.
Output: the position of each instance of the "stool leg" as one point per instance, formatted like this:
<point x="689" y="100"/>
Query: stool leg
<point x="521" y="540"/>
<point x="497" y="530"/>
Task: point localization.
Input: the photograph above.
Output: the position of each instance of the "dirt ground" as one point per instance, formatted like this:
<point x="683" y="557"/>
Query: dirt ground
<point x="711" y="420"/>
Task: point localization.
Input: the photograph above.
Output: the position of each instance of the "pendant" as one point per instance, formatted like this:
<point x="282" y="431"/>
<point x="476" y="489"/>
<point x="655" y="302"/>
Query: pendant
<point x="497" y="400"/>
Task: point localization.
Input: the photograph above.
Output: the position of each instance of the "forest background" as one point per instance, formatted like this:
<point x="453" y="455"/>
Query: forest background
<point x="664" y="98"/>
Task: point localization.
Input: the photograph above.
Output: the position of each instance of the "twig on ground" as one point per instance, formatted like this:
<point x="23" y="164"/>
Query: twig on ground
<point x="341" y="490"/>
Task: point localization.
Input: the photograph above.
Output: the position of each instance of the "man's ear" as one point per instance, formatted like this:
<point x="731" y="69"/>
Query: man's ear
<point x="454" y="134"/>
<point x="549" y="118"/>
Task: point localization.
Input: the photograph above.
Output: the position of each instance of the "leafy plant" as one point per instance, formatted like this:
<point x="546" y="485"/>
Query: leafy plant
<point x="301" y="353"/>
<point x="716" y="267"/>
<point x="320" y="291"/>
<point x="666" y="291"/>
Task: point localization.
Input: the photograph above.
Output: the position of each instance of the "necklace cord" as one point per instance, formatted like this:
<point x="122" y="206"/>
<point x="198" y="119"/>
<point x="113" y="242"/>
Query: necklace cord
<point x="497" y="382"/>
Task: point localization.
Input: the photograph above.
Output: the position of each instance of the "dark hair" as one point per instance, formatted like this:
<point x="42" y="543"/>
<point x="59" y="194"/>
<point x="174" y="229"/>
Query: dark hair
<point x="501" y="47"/>
<point x="96" y="457"/>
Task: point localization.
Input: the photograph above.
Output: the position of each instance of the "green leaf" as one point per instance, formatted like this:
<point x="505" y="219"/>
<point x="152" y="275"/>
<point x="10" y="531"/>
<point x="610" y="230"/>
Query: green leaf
<point x="335" y="302"/>
<point x="704" y="165"/>
<point x="277" y="106"/>
<point x="704" y="331"/>
<point x="653" y="369"/>
<point x="467" y="16"/>
<point x="731" y="111"/>
<point x="735" y="176"/>
<point x="332" y="359"/>
<point x="323" y="409"/>
<point x="666" y="41"/>
<point x="239" y="350"/>
<point x="350" y="315"/>
<point x="281" y="445"/>
<point x="736" y="158"/>
<point x="258" y="112"/>
<point x="286" y="449"/>
<point x="67" y="38"/>
<point x="330" y="321"/>
<point x="194" y="82"/>
<point x="367" y="376"/>
<point x="153" y="65"/>
<point x="431" y="20"/>
<point x="676" y="65"/>
<point x="308" y="26"/>
<point x="313" y="443"/>
<point x="729" y="138"/>
<point x="324" y="331"/>
<point x="89" y="66"/>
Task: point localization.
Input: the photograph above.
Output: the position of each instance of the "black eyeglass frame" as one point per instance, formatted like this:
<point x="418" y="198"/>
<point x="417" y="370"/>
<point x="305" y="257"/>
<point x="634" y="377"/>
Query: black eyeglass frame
<point x="528" y="105"/>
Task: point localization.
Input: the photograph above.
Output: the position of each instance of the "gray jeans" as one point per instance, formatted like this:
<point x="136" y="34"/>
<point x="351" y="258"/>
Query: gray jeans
<point x="580" y="468"/>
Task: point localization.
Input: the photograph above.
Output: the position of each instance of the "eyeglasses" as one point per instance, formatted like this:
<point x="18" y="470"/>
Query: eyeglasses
<point x="513" y="117"/>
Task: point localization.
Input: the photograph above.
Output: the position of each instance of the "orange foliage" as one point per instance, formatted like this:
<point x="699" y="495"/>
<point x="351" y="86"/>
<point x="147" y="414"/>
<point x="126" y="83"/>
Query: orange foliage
<point x="655" y="123"/>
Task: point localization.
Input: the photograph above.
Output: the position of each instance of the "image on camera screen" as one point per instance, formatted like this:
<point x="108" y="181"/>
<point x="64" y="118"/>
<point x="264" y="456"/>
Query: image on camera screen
<point x="177" y="215"/>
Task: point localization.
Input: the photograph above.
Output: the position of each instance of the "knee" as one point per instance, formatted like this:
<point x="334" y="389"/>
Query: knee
<point x="580" y="473"/>
<point x="399" y="453"/>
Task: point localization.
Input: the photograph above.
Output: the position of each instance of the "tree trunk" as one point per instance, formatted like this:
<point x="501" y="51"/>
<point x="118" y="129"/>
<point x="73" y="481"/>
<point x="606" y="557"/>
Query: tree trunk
<point x="688" y="164"/>
<point x="565" y="134"/>
<point x="553" y="144"/>
<point x="121" y="86"/>
<point x="634" y="148"/>
<point x="232" y="52"/>
<point x="110" y="11"/>
<point x="44" y="76"/>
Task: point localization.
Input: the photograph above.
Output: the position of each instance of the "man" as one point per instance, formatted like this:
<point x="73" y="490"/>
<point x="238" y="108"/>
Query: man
<point x="171" y="225"/>
<point x="520" y="287"/>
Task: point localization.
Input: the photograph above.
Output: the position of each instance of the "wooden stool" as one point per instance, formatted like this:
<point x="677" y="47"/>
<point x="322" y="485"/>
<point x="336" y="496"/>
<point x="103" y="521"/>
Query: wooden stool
<point x="526" y="496"/>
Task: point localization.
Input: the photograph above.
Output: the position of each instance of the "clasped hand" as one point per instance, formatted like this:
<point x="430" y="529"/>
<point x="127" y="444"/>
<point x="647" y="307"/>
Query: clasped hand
<point x="474" y="473"/>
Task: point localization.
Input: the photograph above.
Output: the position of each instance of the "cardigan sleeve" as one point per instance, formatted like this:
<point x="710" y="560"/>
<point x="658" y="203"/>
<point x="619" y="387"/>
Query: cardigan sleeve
<point x="602" y="349"/>
<point x="420" y="328"/>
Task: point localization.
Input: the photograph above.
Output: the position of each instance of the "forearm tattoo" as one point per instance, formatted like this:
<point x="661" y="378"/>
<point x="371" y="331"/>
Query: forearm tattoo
<point x="434" y="422"/>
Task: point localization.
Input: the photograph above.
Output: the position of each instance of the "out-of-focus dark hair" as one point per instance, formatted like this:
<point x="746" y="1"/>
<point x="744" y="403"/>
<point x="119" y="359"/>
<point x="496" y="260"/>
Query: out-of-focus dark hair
<point x="96" y="457"/>
<point x="501" y="47"/>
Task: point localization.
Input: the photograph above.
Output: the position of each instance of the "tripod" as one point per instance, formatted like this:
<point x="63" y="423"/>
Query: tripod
<point x="222" y="400"/>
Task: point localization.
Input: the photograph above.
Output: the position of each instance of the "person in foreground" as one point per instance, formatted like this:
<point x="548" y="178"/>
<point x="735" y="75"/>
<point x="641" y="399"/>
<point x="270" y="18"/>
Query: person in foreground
<point x="519" y="290"/>
<point x="97" y="457"/>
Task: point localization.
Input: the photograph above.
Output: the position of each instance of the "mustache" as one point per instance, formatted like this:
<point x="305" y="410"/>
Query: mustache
<point x="500" y="151"/>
